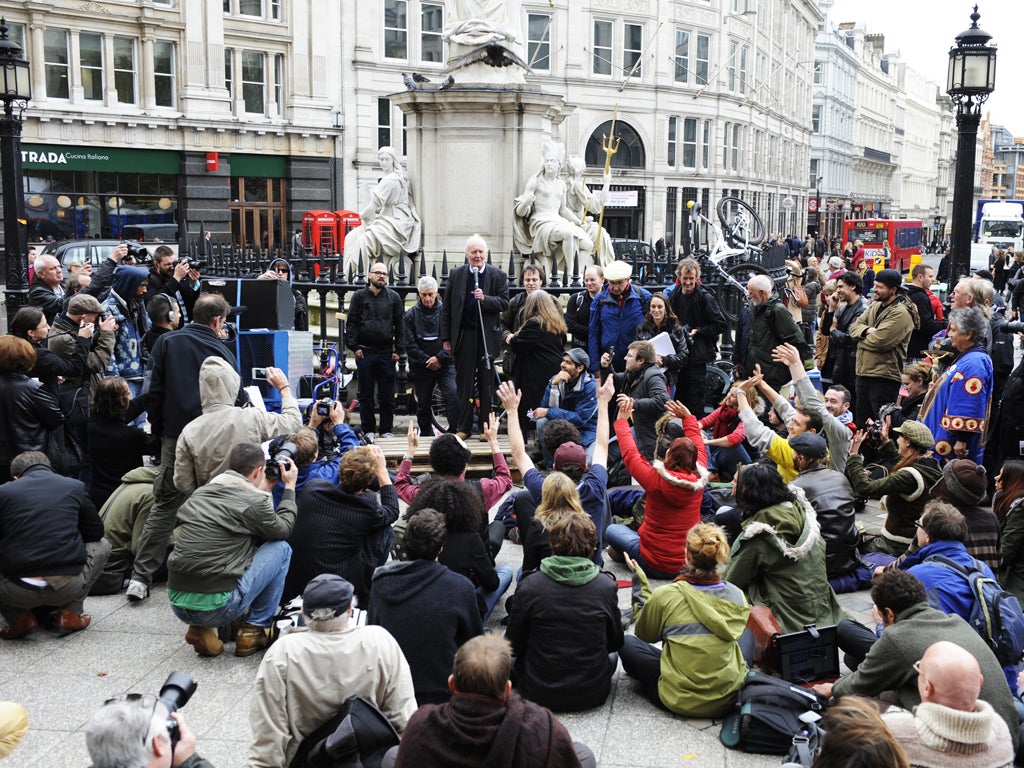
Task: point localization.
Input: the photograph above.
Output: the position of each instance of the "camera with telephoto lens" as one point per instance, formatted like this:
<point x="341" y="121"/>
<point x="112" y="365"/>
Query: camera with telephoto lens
<point x="323" y="406"/>
<point x="1017" y="327"/>
<point x="136" y="251"/>
<point x="198" y="266"/>
<point x="175" y="693"/>
<point x="280" y="453"/>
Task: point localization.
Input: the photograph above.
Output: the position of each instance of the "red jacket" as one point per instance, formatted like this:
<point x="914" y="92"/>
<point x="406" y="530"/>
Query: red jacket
<point x="673" y="498"/>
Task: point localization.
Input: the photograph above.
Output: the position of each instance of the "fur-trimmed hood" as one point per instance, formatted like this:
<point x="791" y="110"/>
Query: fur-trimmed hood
<point x="683" y="479"/>
<point x="782" y="522"/>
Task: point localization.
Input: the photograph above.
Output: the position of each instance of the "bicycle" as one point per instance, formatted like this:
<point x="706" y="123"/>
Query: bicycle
<point x="743" y="232"/>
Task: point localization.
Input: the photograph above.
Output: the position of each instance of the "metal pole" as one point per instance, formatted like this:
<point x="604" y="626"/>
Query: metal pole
<point x="16" y="294"/>
<point x="968" y="117"/>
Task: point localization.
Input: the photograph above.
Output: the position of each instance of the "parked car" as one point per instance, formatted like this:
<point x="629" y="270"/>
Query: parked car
<point x="82" y="251"/>
<point x="647" y="266"/>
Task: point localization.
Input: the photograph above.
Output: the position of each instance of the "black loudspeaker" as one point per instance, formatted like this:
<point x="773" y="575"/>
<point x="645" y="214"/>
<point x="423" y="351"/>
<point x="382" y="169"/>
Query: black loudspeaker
<point x="269" y="304"/>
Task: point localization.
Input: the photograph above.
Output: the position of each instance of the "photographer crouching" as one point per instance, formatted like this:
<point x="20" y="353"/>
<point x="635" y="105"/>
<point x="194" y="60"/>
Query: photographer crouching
<point x="137" y="730"/>
<point x="318" y="448"/>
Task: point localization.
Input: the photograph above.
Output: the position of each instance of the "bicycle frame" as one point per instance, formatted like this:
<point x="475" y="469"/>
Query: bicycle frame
<point x="721" y="250"/>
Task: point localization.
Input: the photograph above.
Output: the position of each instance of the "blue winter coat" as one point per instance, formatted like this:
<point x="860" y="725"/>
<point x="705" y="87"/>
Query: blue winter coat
<point x="612" y="325"/>
<point x="132" y="322"/>
<point x="577" y="405"/>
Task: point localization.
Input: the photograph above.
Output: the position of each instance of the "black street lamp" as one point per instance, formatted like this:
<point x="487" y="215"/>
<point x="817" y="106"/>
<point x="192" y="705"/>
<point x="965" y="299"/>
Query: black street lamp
<point x="17" y="90"/>
<point x="971" y="78"/>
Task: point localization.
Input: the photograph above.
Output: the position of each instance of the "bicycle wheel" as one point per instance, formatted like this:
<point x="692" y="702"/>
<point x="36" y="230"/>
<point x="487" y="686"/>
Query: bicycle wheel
<point x="716" y="385"/>
<point x="741" y="226"/>
<point x="730" y="296"/>
<point x="439" y="410"/>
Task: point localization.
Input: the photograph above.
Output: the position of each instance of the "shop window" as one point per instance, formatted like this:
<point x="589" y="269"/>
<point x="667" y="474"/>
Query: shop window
<point x="55" y="55"/>
<point x="91" y="66"/>
<point x="124" y="69"/>
<point x="163" y="73"/>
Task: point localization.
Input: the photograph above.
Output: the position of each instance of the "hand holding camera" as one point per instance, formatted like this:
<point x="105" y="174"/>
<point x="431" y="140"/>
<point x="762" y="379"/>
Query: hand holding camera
<point x="276" y="378"/>
<point x="108" y="323"/>
<point x="86" y="330"/>
<point x="181" y="269"/>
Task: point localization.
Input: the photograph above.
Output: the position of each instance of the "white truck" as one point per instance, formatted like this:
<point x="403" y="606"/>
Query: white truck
<point x="997" y="224"/>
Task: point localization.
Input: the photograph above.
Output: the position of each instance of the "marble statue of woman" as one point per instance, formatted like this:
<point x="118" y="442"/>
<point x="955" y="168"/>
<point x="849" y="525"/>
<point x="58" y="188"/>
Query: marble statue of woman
<point x="391" y="225"/>
<point x="586" y="209"/>
<point x="543" y="223"/>
<point x="479" y="22"/>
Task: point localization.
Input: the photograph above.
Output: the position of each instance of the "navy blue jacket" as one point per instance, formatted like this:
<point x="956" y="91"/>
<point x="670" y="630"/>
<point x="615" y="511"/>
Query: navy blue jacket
<point x="615" y="326"/>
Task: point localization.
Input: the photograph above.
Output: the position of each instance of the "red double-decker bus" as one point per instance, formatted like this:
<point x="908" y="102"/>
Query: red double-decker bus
<point x="904" y="237"/>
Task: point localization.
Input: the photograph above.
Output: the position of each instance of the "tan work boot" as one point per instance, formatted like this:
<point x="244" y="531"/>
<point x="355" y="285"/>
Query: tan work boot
<point x="250" y="639"/>
<point x="204" y="640"/>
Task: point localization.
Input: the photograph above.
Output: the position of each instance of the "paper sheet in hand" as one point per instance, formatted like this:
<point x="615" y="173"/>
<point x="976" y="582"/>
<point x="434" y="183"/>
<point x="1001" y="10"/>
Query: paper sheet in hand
<point x="663" y="345"/>
<point x="256" y="397"/>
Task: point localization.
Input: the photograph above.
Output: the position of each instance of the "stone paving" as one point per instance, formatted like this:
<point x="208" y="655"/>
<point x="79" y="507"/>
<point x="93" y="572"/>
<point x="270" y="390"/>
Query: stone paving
<point x="128" y="647"/>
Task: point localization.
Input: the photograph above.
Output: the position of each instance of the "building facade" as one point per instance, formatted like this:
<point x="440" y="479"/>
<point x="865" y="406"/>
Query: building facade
<point x="215" y="114"/>
<point x="237" y="116"/>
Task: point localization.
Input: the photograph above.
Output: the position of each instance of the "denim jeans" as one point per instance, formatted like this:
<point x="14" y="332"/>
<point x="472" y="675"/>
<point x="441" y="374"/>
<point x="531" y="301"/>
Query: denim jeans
<point x="625" y="539"/>
<point x="727" y="457"/>
<point x="491" y="598"/>
<point x="258" y="592"/>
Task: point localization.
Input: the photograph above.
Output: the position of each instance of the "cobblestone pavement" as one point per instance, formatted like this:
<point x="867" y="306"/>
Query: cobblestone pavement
<point x="61" y="681"/>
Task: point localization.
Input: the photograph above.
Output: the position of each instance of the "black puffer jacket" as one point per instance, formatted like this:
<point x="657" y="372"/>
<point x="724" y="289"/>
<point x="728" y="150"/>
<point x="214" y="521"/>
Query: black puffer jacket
<point x="832" y="497"/>
<point x="27" y="413"/>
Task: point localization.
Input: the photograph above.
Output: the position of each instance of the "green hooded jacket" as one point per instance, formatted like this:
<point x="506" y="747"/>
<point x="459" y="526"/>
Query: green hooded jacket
<point x="779" y="561"/>
<point x="701" y="665"/>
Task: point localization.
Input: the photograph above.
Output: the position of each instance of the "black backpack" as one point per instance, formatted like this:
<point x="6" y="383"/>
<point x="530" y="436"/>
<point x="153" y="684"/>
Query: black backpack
<point x="769" y="713"/>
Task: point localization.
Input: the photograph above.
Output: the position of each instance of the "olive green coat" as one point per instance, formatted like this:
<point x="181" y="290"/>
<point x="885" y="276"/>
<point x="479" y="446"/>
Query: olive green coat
<point x="779" y="560"/>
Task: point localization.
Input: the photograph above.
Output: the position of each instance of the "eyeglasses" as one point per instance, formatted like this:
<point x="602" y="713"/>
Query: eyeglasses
<point x="144" y="700"/>
<point x="919" y="524"/>
<point x="379" y="272"/>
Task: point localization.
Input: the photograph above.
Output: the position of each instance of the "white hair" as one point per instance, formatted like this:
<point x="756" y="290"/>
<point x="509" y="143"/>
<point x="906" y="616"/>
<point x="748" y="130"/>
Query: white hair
<point x="326" y="620"/>
<point x="120" y="734"/>
<point x="761" y="283"/>
<point x="426" y="283"/>
<point x="476" y="238"/>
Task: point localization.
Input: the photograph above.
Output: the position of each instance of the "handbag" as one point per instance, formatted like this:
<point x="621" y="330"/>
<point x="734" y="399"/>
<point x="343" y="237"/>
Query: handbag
<point x="762" y="624"/>
<point x="799" y="294"/>
<point x="63" y="451"/>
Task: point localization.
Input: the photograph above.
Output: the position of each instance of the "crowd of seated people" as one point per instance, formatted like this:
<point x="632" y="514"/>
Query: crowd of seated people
<point x="248" y="542"/>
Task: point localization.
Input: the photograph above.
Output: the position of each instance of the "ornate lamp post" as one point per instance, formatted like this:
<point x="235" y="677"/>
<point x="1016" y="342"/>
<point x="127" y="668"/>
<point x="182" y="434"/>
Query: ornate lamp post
<point x="970" y="80"/>
<point x="16" y="92"/>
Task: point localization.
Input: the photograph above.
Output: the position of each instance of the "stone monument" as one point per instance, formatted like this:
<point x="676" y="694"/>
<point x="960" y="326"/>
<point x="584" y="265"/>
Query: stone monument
<point x="473" y="140"/>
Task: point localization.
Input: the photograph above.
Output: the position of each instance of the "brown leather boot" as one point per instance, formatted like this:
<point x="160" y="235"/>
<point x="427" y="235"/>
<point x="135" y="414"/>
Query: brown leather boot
<point x="66" y="621"/>
<point x="20" y="627"/>
<point x="250" y="639"/>
<point x="204" y="640"/>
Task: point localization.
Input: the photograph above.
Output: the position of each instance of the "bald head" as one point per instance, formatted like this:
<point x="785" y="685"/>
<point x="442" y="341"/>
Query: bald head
<point x="949" y="676"/>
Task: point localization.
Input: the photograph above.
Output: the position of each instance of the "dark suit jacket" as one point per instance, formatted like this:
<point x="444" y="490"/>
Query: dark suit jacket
<point x="494" y="284"/>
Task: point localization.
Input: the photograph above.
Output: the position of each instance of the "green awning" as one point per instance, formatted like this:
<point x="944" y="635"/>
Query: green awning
<point x="263" y="166"/>
<point x="65" y="157"/>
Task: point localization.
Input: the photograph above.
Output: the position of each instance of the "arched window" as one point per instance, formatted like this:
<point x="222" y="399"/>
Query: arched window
<point x="631" y="152"/>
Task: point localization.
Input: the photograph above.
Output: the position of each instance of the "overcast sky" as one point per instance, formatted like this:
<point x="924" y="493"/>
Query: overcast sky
<point x="923" y="33"/>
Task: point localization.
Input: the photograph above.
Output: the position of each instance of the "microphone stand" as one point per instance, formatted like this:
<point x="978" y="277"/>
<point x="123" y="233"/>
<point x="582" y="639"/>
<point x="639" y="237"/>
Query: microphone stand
<point x="480" y="314"/>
